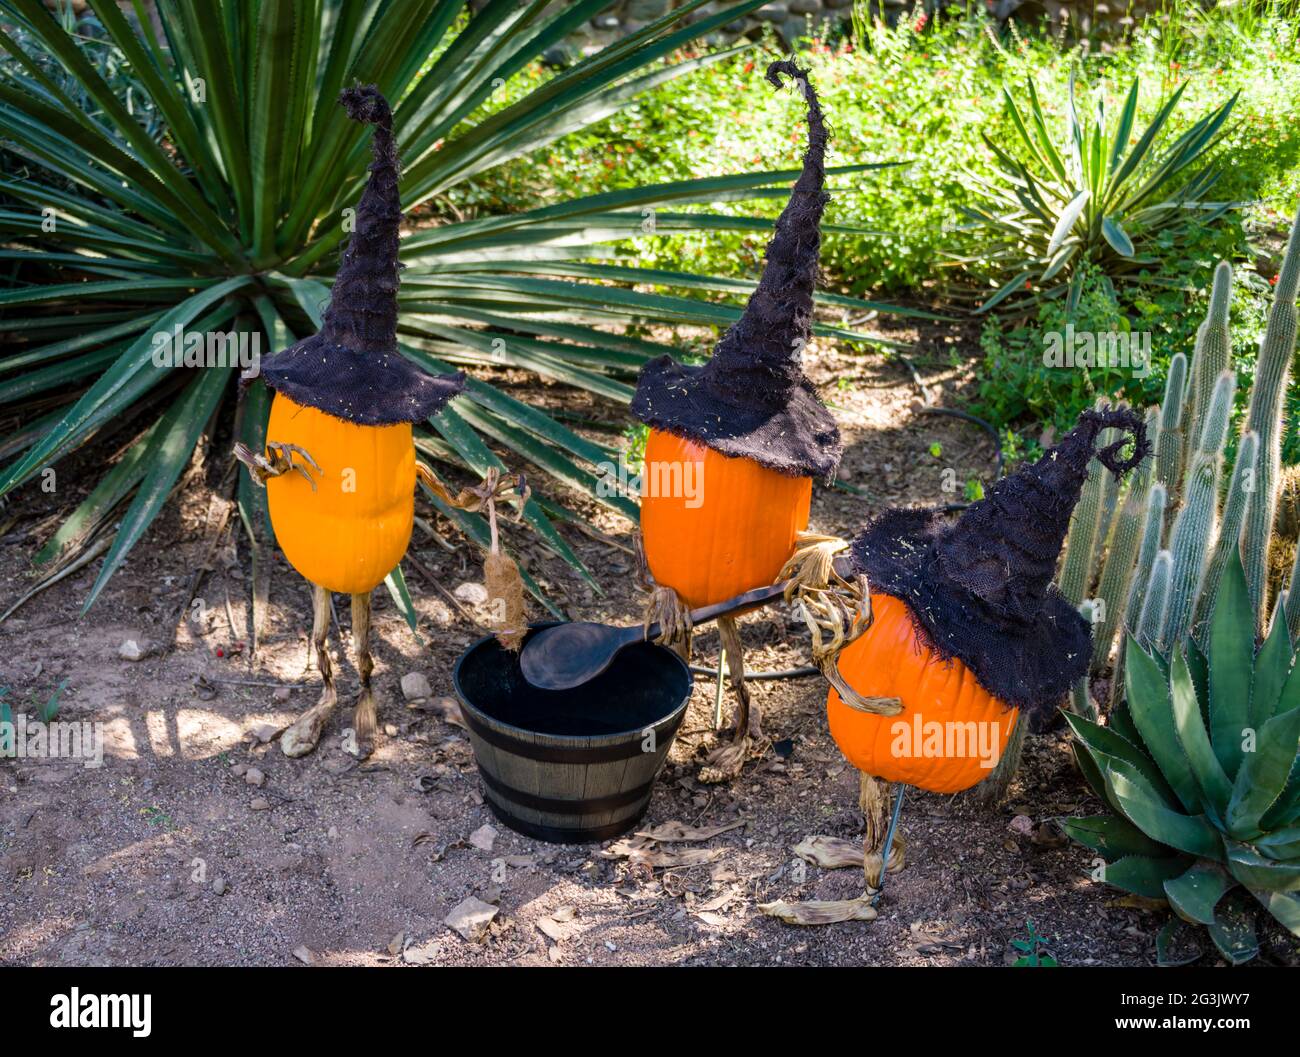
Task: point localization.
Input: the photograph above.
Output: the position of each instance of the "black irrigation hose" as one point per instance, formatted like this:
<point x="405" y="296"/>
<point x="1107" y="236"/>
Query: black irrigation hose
<point x="927" y="408"/>
<point x="758" y="677"/>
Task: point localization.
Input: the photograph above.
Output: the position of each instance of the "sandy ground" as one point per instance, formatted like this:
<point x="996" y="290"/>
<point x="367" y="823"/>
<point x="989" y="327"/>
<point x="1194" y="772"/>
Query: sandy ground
<point x="168" y="855"/>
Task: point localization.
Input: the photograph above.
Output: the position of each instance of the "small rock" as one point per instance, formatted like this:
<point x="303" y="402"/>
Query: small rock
<point x="259" y="804"/>
<point x="396" y="943"/>
<point x="1022" y="826"/>
<point x="554" y="954"/>
<point x="219" y="886"/>
<point x="282" y="694"/>
<point x="253" y="776"/>
<point x="474" y="594"/>
<point x="609" y="946"/>
<point x="470" y="918"/>
<point x="484" y="837"/>
<point x="492" y="894"/>
<point x="390" y="730"/>
<point x="333" y="833"/>
<point x="304" y="955"/>
<point x="131" y="650"/>
<point x="239" y="769"/>
<point x="415" y="686"/>
<point x="263" y="733"/>
<point x="422" y="953"/>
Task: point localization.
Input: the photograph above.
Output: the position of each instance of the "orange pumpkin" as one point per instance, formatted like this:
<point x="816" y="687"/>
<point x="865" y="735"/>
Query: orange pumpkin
<point x="732" y="532"/>
<point x="350" y="531"/>
<point x="951" y="731"/>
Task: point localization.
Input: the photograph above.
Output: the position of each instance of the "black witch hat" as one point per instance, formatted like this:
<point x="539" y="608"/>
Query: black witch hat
<point x="751" y="400"/>
<point x="980" y="589"/>
<point x="351" y="368"/>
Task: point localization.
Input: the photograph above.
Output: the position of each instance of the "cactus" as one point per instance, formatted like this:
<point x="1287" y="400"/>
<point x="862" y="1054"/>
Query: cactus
<point x="1169" y="440"/>
<point x="1153" y="522"/>
<point x="1265" y="418"/>
<point x="1155" y="606"/>
<point x="1213" y="347"/>
<point x="1195" y="525"/>
<point x="1106" y="504"/>
<point x="1121" y="553"/>
<point x="1076" y="570"/>
<point x="1184" y="512"/>
<point x="1234" y="511"/>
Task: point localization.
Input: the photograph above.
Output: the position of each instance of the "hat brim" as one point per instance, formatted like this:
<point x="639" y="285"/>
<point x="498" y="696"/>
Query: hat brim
<point x="364" y="388"/>
<point x="799" y="439"/>
<point x="1027" y="665"/>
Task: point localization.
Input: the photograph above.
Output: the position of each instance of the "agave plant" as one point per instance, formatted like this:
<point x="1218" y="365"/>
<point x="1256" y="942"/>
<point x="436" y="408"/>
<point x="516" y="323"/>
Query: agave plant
<point x="1200" y="770"/>
<point x="1104" y="197"/>
<point x="230" y="219"/>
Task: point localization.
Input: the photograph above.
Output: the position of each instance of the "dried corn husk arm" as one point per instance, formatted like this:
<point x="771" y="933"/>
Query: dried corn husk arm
<point x="837" y="611"/>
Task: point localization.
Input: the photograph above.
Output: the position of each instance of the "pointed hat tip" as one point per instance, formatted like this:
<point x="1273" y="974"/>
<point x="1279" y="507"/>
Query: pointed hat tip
<point x="364" y="102"/>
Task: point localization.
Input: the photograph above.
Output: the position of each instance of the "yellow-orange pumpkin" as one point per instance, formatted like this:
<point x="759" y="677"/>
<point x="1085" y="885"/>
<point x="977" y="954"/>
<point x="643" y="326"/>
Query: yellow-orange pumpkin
<point x="734" y="533"/>
<point x="352" y="530"/>
<point x="944" y="708"/>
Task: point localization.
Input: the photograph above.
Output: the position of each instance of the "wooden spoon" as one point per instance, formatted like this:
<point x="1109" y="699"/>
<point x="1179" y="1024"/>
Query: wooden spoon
<point x="568" y="655"/>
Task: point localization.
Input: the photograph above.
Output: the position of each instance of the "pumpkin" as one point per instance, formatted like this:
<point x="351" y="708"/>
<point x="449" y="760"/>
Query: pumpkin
<point x="732" y="532"/>
<point x="969" y="637"/>
<point x="951" y="731"/>
<point x="349" y="531"/>
<point x="753" y="433"/>
<point x="339" y="460"/>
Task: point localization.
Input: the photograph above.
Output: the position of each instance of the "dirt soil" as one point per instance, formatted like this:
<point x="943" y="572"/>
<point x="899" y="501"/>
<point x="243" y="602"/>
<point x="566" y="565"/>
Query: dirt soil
<point x="167" y="854"/>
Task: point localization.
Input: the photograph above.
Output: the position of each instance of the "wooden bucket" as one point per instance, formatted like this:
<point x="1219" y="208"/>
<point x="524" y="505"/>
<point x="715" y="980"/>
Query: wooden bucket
<point x="571" y="766"/>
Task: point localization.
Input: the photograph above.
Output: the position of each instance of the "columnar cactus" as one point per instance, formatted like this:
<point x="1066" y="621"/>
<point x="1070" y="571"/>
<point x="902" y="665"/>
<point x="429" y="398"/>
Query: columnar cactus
<point x="1234" y="512"/>
<point x="1197" y="518"/>
<point x="1155" y="606"/>
<point x="1153" y="525"/>
<point x="1213" y="347"/>
<point x="1077" y="566"/>
<point x="1183" y="511"/>
<point x="1265" y="419"/>
<point x="1169" y="441"/>
<point x="1121" y="553"/>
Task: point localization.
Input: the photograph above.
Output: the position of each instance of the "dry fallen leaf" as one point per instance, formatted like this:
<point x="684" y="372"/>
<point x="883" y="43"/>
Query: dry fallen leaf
<point x="830" y="853"/>
<point x="638" y="850"/>
<point x="552" y="929"/>
<point x="821" y="911"/>
<point x="680" y="831"/>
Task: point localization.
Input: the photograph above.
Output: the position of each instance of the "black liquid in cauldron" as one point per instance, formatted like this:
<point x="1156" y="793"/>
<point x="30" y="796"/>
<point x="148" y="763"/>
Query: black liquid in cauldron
<point x="571" y="765"/>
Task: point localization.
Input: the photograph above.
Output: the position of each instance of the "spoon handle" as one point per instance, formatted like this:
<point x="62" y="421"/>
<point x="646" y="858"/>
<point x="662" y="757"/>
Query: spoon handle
<point x="759" y="596"/>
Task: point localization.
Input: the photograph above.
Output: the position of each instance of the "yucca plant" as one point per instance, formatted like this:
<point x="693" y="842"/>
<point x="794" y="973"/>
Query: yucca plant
<point x="1101" y="197"/>
<point x="230" y="220"/>
<point x="1200" y="770"/>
